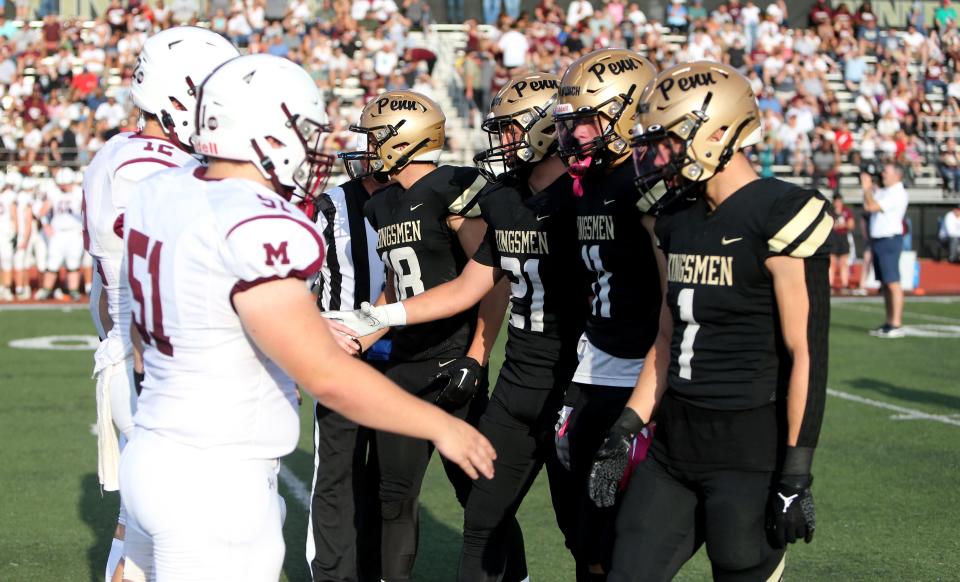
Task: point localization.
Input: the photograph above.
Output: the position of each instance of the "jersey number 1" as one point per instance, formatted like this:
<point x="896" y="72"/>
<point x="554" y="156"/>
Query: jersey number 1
<point x="138" y="245"/>
<point x="685" y="303"/>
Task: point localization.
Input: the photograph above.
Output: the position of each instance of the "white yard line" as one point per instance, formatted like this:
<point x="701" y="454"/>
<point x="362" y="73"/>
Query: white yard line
<point x="903" y="413"/>
<point x="906" y="314"/>
<point x="298" y="489"/>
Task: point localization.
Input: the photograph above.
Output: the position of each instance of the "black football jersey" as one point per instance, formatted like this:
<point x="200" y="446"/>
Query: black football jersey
<point x="532" y="238"/>
<point x="726" y="349"/>
<point x="422" y="251"/>
<point x="624" y="317"/>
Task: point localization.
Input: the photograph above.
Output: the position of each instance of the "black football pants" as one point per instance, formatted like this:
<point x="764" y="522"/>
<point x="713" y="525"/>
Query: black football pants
<point x="595" y="411"/>
<point x="403" y="463"/>
<point x="666" y="514"/>
<point x="519" y="422"/>
<point x="344" y="510"/>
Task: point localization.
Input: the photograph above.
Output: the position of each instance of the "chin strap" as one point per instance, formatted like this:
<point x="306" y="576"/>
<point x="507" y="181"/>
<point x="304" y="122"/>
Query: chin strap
<point x="267" y="164"/>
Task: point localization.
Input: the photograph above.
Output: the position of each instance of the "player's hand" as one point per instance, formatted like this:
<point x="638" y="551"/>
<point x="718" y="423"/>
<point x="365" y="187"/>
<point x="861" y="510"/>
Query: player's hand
<point x="345" y="337"/>
<point x="465" y="446"/>
<point x="561" y="437"/>
<point x="458" y="381"/>
<point x="369" y="318"/>
<point x="790" y="513"/>
<point x="612" y="460"/>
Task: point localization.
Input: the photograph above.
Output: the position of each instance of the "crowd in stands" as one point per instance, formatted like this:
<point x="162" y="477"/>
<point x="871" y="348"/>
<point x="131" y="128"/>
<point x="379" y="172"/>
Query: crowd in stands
<point x="840" y="92"/>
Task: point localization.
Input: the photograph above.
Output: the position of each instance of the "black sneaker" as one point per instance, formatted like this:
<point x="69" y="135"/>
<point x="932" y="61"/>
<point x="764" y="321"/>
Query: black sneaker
<point x="888" y="331"/>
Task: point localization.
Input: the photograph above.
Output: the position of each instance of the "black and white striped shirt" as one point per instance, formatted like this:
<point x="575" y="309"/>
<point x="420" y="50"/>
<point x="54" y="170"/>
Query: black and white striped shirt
<point x="352" y="272"/>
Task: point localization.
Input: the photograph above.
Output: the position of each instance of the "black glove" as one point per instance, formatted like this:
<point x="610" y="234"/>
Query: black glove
<point x="790" y="514"/>
<point x="611" y="461"/>
<point x="138" y="378"/>
<point x="458" y="382"/>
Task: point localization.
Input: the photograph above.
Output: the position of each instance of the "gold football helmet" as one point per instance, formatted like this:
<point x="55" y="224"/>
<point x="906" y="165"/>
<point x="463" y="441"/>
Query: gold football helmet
<point x="400" y="127"/>
<point x="520" y="125"/>
<point x="597" y="107"/>
<point x="693" y="118"/>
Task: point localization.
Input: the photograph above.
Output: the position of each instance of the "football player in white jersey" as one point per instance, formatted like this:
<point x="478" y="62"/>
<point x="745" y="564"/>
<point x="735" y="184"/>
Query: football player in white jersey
<point x="24" y="216"/>
<point x="65" y="248"/>
<point x="8" y="235"/>
<point x="217" y="259"/>
<point x="171" y="65"/>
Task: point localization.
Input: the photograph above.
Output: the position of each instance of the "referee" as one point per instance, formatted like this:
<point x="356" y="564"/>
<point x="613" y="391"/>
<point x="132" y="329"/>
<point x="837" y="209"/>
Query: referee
<point x="343" y="536"/>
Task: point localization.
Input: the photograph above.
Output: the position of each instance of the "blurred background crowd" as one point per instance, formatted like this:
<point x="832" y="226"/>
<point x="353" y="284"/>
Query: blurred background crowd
<point x="840" y="90"/>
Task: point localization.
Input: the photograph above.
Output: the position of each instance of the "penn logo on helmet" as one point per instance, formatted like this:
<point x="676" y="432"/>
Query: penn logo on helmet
<point x="686" y="83"/>
<point x="614" y="67"/>
<point x="538" y="85"/>
<point x="398" y="105"/>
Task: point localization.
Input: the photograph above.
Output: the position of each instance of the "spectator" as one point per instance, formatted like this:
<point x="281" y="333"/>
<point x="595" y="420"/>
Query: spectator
<point x="950" y="234"/>
<point x="578" y="11"/>
<point x="825" y="163"/>
<point x="677" y="16"/>
<point x="887" y="207"/>
<point x="839" y="243"/>
<point x="950" y="166"/>
<point x="513" y="46"/>
<point x="945" y="16"/>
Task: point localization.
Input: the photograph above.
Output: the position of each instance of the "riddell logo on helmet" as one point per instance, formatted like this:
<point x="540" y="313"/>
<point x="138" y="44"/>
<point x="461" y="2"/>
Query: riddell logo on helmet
<point x="614" y="68"/>
<point x="685" y="83"/>
<point x="206" y="148"/>
<point x="398" y="105"/>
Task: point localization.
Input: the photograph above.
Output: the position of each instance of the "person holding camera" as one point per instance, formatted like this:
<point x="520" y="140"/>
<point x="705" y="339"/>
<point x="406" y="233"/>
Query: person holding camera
<point x="887" y="206"/>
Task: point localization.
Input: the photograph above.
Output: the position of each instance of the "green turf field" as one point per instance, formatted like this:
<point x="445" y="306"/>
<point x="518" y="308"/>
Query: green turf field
<point x="886" y="472"/>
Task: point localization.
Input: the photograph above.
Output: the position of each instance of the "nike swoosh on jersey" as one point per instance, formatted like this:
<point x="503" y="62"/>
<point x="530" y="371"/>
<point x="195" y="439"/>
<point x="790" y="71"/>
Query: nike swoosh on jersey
<point x="607" y="202"/>
<point x="729" y="241"/>
<point x="539" y="218"/>
<point x="442" y="364"/>
<point x="412" y="208"/>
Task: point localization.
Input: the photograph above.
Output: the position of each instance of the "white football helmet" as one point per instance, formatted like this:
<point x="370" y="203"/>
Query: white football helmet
<point x="170" y="67"/>
<point x="14" y="179"/>
<point x="65" y="176"/>
<point x="266" y="110"/>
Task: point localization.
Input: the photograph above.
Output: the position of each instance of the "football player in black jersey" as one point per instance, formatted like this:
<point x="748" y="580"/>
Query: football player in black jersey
<point x="532" y="240"/>
<point x="595" y="115"/>
<point x="427" y="225"/>
<point x="738" y="390"/>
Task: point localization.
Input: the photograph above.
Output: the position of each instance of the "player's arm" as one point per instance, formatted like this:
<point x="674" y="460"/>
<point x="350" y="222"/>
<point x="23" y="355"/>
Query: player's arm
<point x="14" y="227"/>
<point x="613" y="457"/>
<point x="801" y="285"/>
<point x="24" y="238"/>
<point x="282" y="320"/>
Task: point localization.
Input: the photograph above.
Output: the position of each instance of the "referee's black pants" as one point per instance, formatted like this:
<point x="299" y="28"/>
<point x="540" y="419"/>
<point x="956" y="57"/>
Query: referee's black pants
<point x="403" y="462"/>
<point x="343" y="544"/>
<point x="519" y="422"/>
<point x="596" y="409"/>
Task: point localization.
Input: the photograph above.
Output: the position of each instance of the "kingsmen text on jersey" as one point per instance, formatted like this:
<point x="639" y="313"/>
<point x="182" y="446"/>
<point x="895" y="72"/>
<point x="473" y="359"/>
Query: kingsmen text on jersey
<point x="533" y="239"/>
<point x="726" y="334"/>
<point x="614" y="245"/>
<point x="422" y="251"/>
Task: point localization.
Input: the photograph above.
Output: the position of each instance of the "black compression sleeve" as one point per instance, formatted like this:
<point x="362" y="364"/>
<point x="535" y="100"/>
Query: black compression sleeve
<point x="818" y="340"/>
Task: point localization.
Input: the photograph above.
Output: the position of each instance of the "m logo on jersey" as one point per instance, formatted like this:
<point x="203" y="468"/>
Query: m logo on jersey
<point x="274" y="254"/>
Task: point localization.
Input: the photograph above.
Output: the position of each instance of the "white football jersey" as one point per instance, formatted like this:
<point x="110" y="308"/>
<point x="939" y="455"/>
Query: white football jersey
<point x="191" y="244"/>
<point x="126" y="159"/>
<point x="7" y="199"/>
<point x="65" y="209"/>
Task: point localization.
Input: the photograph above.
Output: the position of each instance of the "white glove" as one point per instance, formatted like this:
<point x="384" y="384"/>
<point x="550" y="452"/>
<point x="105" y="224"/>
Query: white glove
<point x="370" y="318"/>
<point x="561" y="436"/>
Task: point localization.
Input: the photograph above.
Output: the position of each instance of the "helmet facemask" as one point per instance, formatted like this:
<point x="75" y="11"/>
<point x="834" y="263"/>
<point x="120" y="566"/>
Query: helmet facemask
<point x="587" y="138"/>
<point x="310" y="176"/>
<point x="509" y="138"/>
<point x="664" y="170"/>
